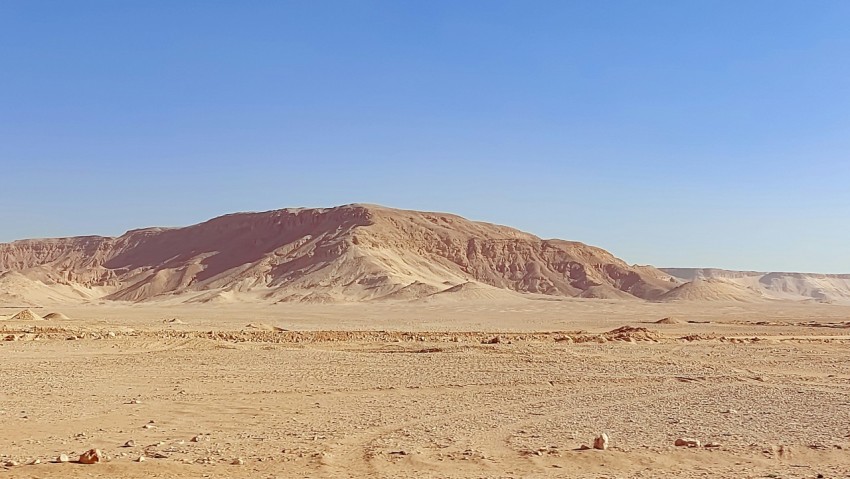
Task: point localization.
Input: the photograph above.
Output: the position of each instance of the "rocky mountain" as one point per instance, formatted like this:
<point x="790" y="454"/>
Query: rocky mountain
<point x="347" y="253"/>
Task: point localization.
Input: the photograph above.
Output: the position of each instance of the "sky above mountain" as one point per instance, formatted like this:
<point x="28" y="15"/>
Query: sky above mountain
<point x="700" y="133"/>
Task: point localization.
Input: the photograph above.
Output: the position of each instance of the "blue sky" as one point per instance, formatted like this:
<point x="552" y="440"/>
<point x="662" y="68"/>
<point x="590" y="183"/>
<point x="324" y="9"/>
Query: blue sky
<point x="675" y="133"/>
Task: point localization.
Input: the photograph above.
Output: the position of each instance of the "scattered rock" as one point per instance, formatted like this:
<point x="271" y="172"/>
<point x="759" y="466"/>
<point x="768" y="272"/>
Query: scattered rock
<point x="601" y="442"/>
<point x="149" y="426"/>
<point x="35" y="462"/>
<point x="493" y="340"/>
<point x="63" y="458"/>
<point x="92" y="456"/>
<point x="687" y="442"/>
<point x="12" y="463"/>
<point x="130" y="443"/>
<point x="712" y="444"/>
<point x="141" y="459"/>
<point x="238" y="461"/>
<point x="584" y="447"/>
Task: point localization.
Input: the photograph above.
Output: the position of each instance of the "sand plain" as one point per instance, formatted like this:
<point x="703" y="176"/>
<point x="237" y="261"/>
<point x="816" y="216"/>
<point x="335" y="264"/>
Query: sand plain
<point x="415" y="390"/>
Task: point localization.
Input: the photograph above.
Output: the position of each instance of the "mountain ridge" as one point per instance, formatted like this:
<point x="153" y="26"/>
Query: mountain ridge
<point x="351" y="252"/>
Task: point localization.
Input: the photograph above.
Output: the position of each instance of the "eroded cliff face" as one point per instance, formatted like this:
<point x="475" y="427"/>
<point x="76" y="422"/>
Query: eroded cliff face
<point x="347" y="253"/>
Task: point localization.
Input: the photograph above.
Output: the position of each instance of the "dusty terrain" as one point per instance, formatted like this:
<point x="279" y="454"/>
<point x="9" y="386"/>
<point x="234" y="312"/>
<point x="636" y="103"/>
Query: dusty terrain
<point x="366" y="341"/>
<point x="418" y="390"/>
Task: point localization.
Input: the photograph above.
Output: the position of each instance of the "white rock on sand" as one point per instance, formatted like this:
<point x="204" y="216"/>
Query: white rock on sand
<point x="601" y="442"/>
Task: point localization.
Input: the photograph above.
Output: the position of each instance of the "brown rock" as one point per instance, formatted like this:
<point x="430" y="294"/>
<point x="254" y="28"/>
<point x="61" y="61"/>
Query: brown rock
<point x="601" y="442"/>
<point x="687" y="442"/>
<point x="92" y="456"/>
<point x="238" y="461"/>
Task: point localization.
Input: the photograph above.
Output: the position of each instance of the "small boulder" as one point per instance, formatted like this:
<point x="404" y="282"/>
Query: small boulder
<point x="63" y="458"/>
<point x="92" y="456"/>
<point x="687" y="442"/>
<point x="130" y="443"/>
<point x="601" y="442"/>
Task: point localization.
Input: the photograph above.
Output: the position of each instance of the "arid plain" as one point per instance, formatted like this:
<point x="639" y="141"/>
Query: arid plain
<point x="425" y="390"/>
<point x="362" y="341"/>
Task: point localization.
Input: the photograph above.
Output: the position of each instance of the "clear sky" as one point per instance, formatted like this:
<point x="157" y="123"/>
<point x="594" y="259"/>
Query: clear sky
<point x="676" y="133"/>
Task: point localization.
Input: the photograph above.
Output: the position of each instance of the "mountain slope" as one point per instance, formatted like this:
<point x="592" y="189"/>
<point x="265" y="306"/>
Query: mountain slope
<point x="347" y="253"/>
<point x="713" y="289"/>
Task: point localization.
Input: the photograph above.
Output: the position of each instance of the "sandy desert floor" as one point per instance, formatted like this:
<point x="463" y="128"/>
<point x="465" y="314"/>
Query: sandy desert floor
<point x="412" y="390"/>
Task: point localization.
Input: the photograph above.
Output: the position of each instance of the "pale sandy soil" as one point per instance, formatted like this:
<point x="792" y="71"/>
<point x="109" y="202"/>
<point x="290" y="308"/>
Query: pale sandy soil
<point x="426" y="398"/>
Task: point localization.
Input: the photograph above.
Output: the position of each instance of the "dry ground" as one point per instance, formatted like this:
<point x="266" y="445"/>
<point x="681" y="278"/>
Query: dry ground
<point x="418" y="394"/>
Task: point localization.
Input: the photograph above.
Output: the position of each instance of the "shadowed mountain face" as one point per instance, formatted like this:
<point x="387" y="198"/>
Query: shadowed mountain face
<point x="347" y="253"/>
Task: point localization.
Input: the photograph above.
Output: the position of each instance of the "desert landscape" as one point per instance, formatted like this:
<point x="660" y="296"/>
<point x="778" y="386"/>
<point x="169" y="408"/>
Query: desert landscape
<point x="365" y="341"/>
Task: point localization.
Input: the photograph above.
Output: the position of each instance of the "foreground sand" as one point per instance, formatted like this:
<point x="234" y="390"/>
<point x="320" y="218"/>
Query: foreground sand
<point x="418" y="394"/>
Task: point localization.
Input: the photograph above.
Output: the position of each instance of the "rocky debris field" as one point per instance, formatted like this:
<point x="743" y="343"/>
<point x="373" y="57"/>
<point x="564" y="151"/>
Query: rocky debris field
<point x="628" y="402"/>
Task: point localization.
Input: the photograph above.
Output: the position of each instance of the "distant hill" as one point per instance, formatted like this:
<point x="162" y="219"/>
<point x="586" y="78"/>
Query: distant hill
<point x="347" y="253"/>
<point x="824" y="288"/>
